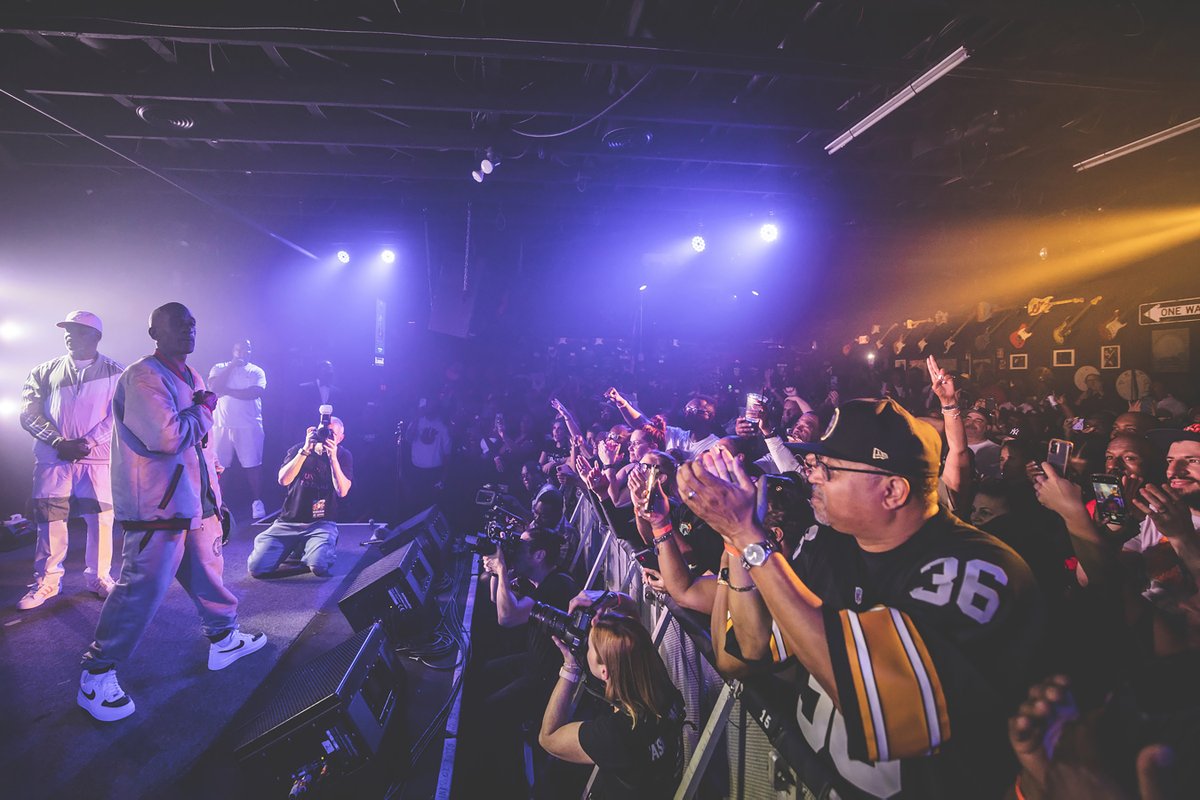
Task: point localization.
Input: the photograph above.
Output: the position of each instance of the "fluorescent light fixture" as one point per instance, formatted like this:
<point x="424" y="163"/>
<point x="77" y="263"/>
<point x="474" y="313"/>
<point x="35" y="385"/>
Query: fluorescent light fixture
<point x="900" y="98"/>
<point x="1140" y="144"/>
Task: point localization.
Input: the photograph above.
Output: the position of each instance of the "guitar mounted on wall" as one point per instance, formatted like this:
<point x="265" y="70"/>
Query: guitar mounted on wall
<point x="1037" y="307"/>
<point x="952" y="339"/>
<point x="1109" y="330"/>
<point x="985" y="313"/>
<point x="940" y="319"/>
<point x="879" y="342"/>
<point x="1067" y="326"/>
<point x="912" y="324"/>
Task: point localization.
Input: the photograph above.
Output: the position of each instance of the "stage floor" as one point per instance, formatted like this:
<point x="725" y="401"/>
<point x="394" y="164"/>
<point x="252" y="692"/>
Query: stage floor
<point x="49" y="747"/>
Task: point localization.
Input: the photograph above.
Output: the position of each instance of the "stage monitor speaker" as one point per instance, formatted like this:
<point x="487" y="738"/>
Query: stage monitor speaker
<point x="430" y="527"/>
<point x="394" y="586"/>
<point x="328" y="717"/>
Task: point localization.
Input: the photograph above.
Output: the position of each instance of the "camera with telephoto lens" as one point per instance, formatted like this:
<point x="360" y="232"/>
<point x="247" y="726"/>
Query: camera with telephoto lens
<point x="570" y="628"/>
<point x="324" y="431"/>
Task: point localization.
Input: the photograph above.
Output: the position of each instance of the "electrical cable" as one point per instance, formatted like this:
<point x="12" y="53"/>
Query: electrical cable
<point x="589" y="121"/>
<point x="196" y="195"/>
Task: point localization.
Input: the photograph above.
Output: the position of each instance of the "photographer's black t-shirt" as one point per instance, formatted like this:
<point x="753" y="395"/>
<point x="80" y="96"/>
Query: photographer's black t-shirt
<point x="311" y="497"/>
<point x="544" y="657"/>
<point x="637" y="762"/>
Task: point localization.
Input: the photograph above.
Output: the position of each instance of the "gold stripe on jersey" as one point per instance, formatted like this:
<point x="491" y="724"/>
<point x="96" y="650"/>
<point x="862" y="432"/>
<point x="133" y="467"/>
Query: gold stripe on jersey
<point x="900" y="699"/>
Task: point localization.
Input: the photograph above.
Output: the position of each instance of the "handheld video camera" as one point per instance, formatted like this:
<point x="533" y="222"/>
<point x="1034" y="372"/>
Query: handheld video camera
<point x="497" y="537"/>
<point x="571" y="629"/>
<point x="324" y="430"/>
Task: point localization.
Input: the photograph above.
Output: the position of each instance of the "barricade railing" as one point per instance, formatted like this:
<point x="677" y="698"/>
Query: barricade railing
<point x="766" y="757"/>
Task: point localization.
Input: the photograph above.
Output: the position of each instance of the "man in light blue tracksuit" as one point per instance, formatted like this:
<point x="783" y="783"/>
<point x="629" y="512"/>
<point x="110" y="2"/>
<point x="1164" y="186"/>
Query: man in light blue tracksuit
<point x="167" y="501"/>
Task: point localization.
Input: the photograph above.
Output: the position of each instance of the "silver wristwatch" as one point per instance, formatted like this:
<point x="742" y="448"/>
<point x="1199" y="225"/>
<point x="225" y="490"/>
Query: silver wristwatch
<point x="755" y="555"/>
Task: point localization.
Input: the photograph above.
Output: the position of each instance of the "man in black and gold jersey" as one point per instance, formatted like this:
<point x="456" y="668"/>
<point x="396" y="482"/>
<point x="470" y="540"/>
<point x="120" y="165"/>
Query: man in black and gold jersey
<point x="915" y="632"/>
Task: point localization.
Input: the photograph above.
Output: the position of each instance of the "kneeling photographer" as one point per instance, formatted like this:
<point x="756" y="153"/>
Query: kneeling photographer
<point x="637" y="739"/>
<point x="317" y="474"/>
<point x="524" y="573"/>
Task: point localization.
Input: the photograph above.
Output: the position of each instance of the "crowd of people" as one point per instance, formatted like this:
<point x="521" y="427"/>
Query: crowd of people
<point x="971" y="586"/>
<point x="974" y="587"/>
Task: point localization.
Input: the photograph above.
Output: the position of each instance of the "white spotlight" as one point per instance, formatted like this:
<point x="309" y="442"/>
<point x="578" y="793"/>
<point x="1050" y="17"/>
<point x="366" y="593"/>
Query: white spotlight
<point x="487" y="165"/>
<point x="9" y="331"/>
<point x="343" y="256"/>
<point x="698" y="244"/>
<point x="642" y="288"/>
<point x="477" y="176"/>
<point x="9" y="407"/>
<point x="769" y="232"/>
<point x="388" y="256"/>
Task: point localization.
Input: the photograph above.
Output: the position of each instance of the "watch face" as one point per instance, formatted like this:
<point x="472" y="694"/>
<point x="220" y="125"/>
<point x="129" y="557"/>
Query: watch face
<point x="755" y="554"/>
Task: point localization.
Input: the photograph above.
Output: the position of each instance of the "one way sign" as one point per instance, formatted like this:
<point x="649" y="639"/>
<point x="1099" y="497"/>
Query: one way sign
<point x="1186" y="310"/>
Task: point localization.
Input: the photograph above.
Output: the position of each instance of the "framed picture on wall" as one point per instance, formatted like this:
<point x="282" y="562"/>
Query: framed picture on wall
<point x="900" y="363"/>
<point x="1170" y="350"/>
<point x="1064" y="358"/>
<point x="1110" y="356"/>
<point x="1018" y="361"/>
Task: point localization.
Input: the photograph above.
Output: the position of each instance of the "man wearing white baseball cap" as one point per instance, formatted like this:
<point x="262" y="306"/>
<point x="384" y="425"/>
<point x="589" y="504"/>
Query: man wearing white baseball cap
<point x="67" y="407"/>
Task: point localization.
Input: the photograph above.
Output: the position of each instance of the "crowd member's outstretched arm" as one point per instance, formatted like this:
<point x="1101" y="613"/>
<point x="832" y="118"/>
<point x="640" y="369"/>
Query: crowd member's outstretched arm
<point x="719" y="490"/>
<point x="957" y="472"/>
<point x="655" y="520"/>
<point x="631" y="414"/>
<point x="1097" y="553"/>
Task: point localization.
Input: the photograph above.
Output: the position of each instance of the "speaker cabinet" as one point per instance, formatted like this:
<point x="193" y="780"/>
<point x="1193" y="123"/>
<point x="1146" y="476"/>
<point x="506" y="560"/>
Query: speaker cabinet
<point x="394" y="586"/>
<point x="330" y="715"/>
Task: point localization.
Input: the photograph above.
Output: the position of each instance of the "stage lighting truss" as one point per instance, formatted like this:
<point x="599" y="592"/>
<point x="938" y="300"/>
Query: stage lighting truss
<point x="940" y="70"/>
<point x="1140" y="144"/>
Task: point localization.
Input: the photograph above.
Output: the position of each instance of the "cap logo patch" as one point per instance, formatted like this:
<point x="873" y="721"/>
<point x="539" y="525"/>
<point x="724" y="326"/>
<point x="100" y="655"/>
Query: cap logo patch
<point x="879" y="455"/>
<point x="832" y="424"/>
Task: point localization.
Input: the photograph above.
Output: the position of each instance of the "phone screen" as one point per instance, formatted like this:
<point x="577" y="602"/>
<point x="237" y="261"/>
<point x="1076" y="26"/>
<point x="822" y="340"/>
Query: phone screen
<point x="647" y="558"/>
<point x="1059" y="454"/>
<point x="1110" y="503"/>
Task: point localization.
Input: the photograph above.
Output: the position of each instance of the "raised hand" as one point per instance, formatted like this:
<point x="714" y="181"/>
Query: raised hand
<point x="717" y="488"/>
<point x="1170" y="515"/>
<point x="1056" y="492"/>
<point x="942" y="382"/>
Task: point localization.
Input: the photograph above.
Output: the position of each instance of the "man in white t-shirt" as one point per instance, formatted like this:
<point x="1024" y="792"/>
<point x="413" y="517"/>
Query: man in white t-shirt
<point x="237" y="423"/>
<point x="698" y="432"/>
<point x="1169" y="538"/>
<point x="987" y="452"/>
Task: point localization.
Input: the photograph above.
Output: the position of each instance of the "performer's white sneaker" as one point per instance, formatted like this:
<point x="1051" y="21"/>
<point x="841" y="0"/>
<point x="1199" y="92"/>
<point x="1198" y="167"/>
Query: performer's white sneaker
<point x="235" y="645"/>
<point x="258" y="510"/>
<point x="101" y="586"/>
<point x="101" y="696"/>
<point x="38" y="593"/>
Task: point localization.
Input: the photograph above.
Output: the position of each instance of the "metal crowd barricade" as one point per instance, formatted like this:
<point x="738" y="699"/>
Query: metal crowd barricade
<point x="765" y="758"/>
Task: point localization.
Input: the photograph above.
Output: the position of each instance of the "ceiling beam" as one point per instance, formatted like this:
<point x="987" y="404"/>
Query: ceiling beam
<point x="357" y="90"/>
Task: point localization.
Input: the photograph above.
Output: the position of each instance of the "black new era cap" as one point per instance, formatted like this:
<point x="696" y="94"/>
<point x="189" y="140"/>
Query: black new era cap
<point x="879" y="433"/>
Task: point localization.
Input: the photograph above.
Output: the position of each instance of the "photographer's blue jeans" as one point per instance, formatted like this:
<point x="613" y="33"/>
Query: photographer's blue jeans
<point x="316" y="542"/>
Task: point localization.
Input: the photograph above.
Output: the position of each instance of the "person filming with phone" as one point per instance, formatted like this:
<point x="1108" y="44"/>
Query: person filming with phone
<point x="317" y="474"/>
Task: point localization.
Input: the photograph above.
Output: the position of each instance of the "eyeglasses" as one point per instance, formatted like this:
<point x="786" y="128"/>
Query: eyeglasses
<point x="807" y="468"/>
<point x="612" y="437"/>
